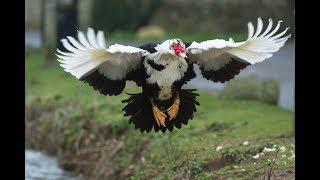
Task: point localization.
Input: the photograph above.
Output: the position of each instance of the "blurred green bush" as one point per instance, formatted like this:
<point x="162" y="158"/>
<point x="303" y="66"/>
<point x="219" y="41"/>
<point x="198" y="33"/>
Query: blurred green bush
<point x="249" y="87"/>
<point x="122" y="15"/>
<point x="150" y="32"/>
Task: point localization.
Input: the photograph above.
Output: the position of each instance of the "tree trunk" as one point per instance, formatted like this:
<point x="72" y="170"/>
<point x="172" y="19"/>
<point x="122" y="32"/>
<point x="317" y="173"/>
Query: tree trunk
<point x="49" y="29"/>
<point x="42" y="17"/>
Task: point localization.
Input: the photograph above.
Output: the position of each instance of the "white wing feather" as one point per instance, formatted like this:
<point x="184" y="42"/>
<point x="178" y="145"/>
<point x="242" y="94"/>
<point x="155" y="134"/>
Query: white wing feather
<point x="101" y="41"/>
<point x="91" y="53"/>
<point x="214" y="54"/>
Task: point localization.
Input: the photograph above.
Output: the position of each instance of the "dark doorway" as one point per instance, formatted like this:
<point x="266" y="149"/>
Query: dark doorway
<point x="67" y="20"/>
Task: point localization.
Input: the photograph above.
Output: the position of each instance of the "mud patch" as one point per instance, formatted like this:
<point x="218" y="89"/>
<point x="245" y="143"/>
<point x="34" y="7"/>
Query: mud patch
<point x="280" y="174"/>
<point x="216" y="164"/>
<point x="216" y="127"/>
<point x="219" y="126"/>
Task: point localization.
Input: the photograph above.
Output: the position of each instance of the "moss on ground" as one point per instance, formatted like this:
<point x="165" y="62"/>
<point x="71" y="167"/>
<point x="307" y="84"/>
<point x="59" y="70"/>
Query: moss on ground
<point x="88" y="133"/>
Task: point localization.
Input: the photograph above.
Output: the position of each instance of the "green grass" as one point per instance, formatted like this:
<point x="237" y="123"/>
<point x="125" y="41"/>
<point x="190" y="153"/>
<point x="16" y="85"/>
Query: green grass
<point x="180" y="154"/>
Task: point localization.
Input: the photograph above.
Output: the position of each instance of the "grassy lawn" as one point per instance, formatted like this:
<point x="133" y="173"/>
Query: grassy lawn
<point x="190" y="152"/>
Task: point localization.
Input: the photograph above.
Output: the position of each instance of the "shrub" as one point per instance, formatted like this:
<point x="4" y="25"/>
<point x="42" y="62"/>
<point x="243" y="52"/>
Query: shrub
<point x="251" y="88"/>
<point x="123" y="15"/>
<point x="150" y="32"/>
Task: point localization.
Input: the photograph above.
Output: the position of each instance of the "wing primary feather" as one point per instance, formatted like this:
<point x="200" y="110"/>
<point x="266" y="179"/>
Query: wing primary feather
<point x="280" y="40"/>
<point x="274" y="31"/>
<point x="76" y="44"/>
<point x="279" y="35"/>
<point x="267" y="29"/>
<point x="250" y="30"/>
<point x="101" y="40"/>
<point x="63" y="57"/>
<point x="92" y="38"/>
<point x="61" y="61"/>
<point x="67" y="45"/>
<point x="65" y="53"/>
<point x="83" y="40"/>
<point x="259" y="28"/>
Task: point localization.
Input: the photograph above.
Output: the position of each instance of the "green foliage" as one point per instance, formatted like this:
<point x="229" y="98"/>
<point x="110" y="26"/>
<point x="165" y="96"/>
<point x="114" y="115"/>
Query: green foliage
<point x="270" y="91"/>
<point x="150" y="32"/>
<point x="231" y="155"/>
<point x="194" y="167"/>
<point x="251" y="88"/>
<point x="203" y="175"/>
<point x="126" y="15"/>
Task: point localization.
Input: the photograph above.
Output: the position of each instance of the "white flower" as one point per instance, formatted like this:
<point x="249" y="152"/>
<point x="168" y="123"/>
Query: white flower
<point x="282" y="148"/>
<point x="254" y="163"/>
<point x="292" y="157"/>
<point x="245" y="143"/>
<point x="218" y="148"/>
<point x="243" y="170"/>
<point x="284" y="156"/>
<point x="265" y="149"/>
<point x="268" y="160"/>
<point x="236" y="167"/>
<point x="256" y="156"/>
<point x="262" y="154"/>
<point x="292" y="145"/>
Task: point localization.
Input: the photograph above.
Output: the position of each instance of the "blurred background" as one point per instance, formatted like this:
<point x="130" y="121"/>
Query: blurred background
<point x="57" y="106"/>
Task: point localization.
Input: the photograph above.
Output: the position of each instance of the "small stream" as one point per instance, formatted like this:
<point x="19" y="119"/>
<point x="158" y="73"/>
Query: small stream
<point x="39" y="165"/>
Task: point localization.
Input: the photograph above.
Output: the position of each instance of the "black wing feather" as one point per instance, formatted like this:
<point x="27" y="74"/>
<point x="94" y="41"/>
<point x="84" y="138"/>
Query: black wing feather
<point x="103" y="84"/>
<point x="225" y="73"/>
<point x="150" y="47"/>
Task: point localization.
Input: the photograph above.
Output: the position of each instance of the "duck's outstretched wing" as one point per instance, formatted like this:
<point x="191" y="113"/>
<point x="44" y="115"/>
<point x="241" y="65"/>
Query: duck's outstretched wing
<point x="221" y="60"/>
<point x="104" y="68"/>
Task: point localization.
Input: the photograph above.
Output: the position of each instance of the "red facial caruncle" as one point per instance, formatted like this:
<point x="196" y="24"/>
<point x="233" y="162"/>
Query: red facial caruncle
<point x="179" y="50"/>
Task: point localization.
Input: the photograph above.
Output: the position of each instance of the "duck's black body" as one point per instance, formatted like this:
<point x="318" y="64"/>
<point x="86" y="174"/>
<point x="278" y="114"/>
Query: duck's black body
<point x="139" y="106"/>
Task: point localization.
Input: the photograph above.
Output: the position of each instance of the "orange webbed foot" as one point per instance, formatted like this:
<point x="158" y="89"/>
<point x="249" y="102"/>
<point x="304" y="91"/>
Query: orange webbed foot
<point x="174" y="108"/>
<point x="158" y="115"/>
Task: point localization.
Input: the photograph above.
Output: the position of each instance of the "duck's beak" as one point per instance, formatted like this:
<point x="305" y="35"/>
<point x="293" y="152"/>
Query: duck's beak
<point x="183" y="55"/>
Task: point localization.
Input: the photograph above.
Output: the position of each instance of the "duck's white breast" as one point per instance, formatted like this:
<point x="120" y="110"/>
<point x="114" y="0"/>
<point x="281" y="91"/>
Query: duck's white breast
<point x="175" y="68"/>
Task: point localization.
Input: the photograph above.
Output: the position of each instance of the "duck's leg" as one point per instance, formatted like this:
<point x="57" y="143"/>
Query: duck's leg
<point x="174" y="108"/>
<point x="158" y="114"/>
